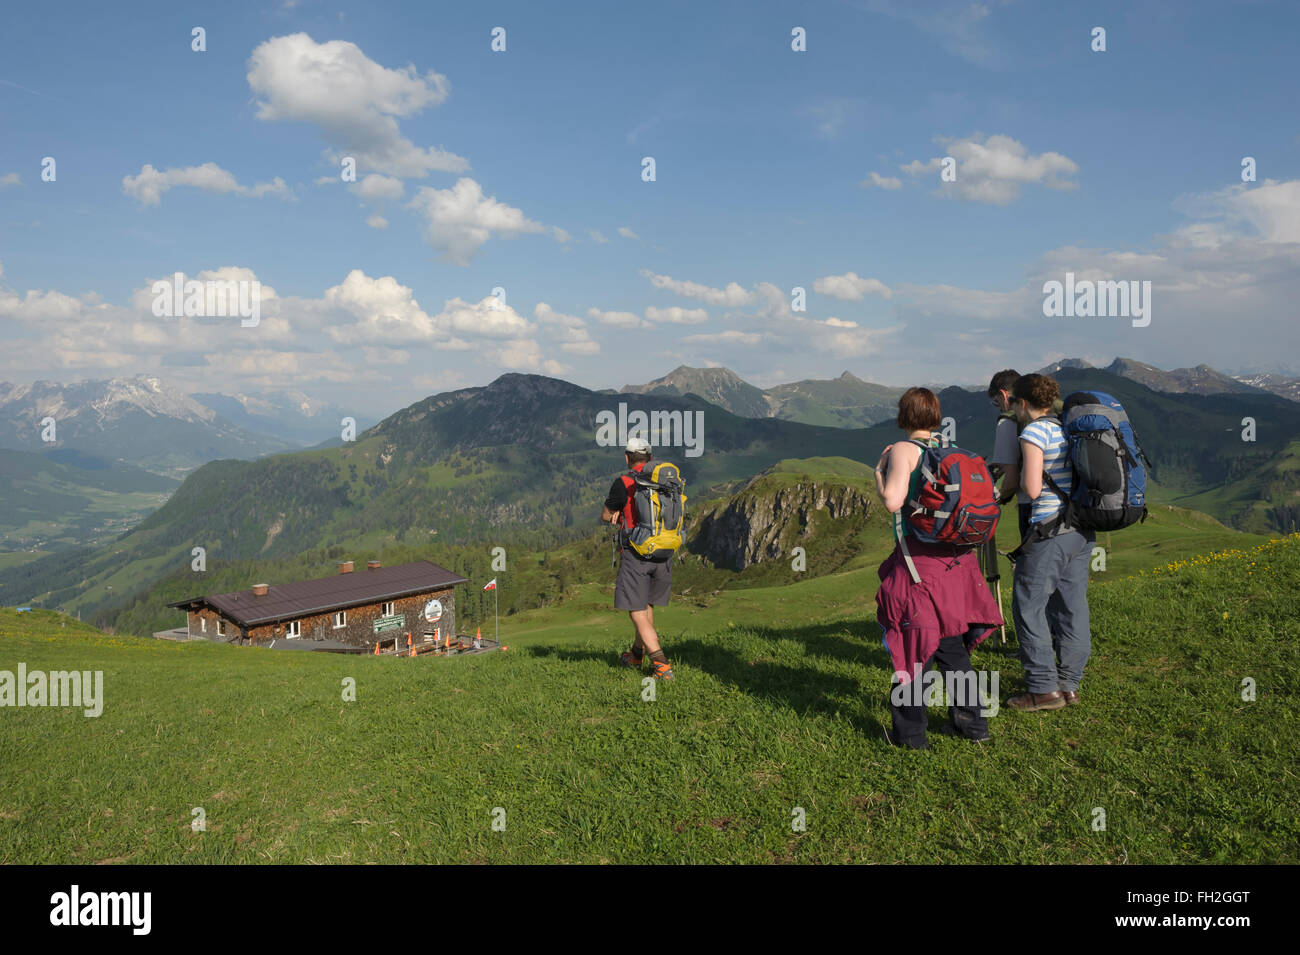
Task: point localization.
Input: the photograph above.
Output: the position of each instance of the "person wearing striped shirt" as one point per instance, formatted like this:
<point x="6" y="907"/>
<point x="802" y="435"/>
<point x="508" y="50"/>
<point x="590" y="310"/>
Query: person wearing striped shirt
<point x="1050" y="601"/>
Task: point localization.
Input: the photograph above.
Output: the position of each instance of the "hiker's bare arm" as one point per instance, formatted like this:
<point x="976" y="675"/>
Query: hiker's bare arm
<point x="607" y="516"/>
<point x="1031" y="474"/>
<point x="1010" y="484"/>
<point x="898" y="472"/>
<point x="881" y="465"/>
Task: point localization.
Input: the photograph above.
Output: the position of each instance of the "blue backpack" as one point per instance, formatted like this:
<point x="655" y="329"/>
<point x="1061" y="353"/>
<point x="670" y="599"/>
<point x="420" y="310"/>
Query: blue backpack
<point x="1110" y="483"/>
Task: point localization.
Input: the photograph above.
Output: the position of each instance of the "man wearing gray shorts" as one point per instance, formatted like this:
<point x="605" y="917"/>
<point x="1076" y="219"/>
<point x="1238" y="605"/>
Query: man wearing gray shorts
<point x="641" y="583"/>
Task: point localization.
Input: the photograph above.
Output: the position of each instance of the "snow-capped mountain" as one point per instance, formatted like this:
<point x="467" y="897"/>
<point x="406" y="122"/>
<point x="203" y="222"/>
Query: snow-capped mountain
<point x="143" y="421"/>
<point x="290" y="415"/>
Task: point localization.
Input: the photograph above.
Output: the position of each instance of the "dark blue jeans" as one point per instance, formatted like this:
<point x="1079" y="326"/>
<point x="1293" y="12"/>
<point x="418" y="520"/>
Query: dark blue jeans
<point x="909" y="717"/>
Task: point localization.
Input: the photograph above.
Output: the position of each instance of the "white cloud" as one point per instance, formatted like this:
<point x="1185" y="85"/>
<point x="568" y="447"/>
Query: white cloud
<point x="569" y="330"/>
<point x="383" y="312"/>
<point x="627" y="233"/>
<point x="375" y="186"/>
<point x="40" y="307"/>
<point x="377" y="222"/>
<point x="850" y="288"/>
<point x="617" y="319"/>
<point x="522" y="354"/>
<point x="458" y="221"/>
<point x="148" y="187"/>
<point x="353" y="100"/>
<point x="959" y="26"/>
<point x="731" y="337"/>
<point x="882" y="182"/>
<point x="733" y="295"/>
<point x="487" y="318"/>
<point x="996" y="169"/>
<point x="773" y="303"/>
<point x="926" y="301"/>
<point x="386" y="356"/>
<point x="677" y="315"/>
<point x="597" y="237"/>
<point x="9" y="179"/>
<point x="546" y="315"/>
<point x="840" y="323"/>
<point x="854" y="343"/>
<point x="1270" y="210"/>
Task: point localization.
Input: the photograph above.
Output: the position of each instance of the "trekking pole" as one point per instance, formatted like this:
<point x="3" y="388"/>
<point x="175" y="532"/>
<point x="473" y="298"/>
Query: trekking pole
<point x="1002" y="629"/>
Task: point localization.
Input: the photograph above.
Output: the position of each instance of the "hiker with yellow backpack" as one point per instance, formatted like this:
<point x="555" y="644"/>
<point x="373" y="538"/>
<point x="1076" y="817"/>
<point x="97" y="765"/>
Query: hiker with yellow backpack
<point x="648" y="506"/>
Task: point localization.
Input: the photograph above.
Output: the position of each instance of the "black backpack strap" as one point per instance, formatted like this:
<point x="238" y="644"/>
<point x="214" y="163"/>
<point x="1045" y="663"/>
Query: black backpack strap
<point x="1055" y="488"/>
<point x="1046" y="528"/>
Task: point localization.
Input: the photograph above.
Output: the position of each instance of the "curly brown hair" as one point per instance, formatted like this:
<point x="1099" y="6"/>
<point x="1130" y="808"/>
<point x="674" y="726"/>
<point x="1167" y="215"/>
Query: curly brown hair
<point x="1036" y="391"/>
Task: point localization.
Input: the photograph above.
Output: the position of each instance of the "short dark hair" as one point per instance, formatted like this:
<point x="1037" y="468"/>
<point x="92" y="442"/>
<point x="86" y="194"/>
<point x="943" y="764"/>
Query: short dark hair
<point x="1003" y="381"/>
<point x="638" y="457"/>
<point x="919" y="408"/>
<point x="1037" y="391"/>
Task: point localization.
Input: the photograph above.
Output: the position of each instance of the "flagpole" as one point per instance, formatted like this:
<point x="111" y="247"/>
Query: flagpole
<point x="495" y="615"/>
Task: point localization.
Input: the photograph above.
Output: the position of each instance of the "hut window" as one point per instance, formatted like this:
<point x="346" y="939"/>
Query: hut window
<point x="293" y="628"/>
<point x="340" y="620"/>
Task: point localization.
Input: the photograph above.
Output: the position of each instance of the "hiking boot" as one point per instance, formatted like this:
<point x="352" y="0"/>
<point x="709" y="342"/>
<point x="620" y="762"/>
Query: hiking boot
<point x="630" y="661"/>
<point x="921" y="743"/>
<point x="661" y="671"/>
<point x="1071" y="696"/>
<point x="1029" y="702"/>
<point x="975" y="736"/>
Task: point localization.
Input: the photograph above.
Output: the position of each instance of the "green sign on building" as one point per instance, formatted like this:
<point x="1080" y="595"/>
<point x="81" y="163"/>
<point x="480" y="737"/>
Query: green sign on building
<point x="390" y="623"/>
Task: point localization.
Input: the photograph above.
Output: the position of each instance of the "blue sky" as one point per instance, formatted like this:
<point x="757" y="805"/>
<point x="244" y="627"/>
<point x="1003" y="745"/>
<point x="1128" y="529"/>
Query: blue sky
<point x="518" y="170"/>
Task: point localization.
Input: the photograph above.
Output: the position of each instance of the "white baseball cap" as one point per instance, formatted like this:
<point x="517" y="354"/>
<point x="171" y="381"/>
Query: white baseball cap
<point x="637" y="445"/>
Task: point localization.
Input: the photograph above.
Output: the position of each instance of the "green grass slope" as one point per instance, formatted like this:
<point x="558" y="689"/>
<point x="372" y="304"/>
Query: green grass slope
<point x="775" y="709"/>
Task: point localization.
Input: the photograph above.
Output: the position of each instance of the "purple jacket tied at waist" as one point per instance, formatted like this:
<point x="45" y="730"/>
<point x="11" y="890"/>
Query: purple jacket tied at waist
<point x="951" y="600"/>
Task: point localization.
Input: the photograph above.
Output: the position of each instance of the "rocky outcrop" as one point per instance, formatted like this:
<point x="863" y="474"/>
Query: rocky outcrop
<point x="768" y="519"/>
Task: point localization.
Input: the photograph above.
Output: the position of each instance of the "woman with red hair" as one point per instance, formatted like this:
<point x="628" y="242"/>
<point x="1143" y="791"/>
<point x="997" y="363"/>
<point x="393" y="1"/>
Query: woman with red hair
<point x="948" y="613"/>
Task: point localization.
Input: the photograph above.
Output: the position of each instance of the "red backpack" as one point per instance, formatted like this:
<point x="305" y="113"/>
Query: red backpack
<point x="956" y="501"/>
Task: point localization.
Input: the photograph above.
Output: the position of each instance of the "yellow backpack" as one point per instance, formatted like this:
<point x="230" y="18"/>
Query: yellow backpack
<point x="659" y="502"/>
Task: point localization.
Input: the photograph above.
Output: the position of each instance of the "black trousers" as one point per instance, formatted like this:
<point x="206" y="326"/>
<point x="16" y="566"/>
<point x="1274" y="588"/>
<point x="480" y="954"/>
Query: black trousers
<point x="909" y="716"/>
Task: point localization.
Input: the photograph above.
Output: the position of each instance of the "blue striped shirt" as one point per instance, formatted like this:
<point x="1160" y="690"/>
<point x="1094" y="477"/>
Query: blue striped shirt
<point x="1047" y="435"/>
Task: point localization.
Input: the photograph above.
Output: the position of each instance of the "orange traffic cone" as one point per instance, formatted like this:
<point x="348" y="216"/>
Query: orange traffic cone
<point x="376" y="649"/>
<point x="408" y="639"/>
<point x="412" y="651"/>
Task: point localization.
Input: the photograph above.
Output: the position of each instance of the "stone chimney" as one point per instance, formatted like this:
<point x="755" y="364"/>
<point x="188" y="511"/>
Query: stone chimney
<point x="259" y="590"/>
<point x="372" y="565"/>
<point x="345" y="567"/>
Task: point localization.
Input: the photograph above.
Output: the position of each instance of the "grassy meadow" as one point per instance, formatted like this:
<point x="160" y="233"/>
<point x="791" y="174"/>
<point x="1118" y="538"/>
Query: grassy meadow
<point x="777" y="708"/>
